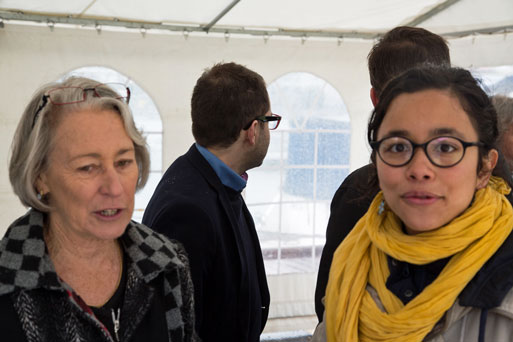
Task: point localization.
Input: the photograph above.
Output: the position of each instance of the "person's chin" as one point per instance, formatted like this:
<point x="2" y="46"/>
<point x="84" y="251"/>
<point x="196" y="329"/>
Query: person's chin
<point x="418" y="226"/>
<point x="114" y="222"/>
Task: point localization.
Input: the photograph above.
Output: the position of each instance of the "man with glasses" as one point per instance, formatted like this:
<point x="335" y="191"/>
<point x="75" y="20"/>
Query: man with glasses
<point x="198" y="202"/>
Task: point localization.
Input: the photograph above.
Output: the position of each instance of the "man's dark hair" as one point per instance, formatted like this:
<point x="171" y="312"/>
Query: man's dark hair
<point x="225" y="99"/>
<point x="403" y="48"/>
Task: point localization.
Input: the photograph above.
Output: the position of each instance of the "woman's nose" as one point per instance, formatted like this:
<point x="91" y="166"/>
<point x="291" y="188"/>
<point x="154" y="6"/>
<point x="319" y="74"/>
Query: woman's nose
<point x="419" y="167"/>
<point x="111" y="183"/>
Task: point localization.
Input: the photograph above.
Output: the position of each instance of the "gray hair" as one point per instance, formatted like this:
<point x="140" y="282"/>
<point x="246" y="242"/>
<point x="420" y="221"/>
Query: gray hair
<point x="504" y="107"/>
<point x="32" y="140"/>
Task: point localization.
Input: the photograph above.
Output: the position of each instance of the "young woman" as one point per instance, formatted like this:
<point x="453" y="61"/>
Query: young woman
<point x="432" y="259"/>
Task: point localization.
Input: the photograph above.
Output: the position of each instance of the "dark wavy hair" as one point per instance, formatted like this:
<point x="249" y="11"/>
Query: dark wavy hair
<point x="458" y="82"/>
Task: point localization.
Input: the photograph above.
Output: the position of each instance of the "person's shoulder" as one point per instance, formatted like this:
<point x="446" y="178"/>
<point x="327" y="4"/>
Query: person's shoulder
<point x="180" y="170"/>
<point x="184" y="187"/>
<point x="181" y="184"/>
<point x="188" y="174"/>
<point x="356" y="186"/>
<point x="506" y="306"/>
<point x="192" y="206"/>
<point x="359" y="176"/>
<point x="150" y="242"/>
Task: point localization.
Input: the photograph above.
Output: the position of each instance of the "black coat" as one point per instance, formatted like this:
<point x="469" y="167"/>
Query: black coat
<point x="349" y="204"/>
<point x="191" y="205"/>
<point x="35" y="305"/>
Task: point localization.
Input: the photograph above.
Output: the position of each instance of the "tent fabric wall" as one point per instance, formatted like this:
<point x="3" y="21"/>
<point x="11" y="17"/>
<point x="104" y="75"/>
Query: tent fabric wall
<point x="166" y="66"/>
<point x="342" y="18"/>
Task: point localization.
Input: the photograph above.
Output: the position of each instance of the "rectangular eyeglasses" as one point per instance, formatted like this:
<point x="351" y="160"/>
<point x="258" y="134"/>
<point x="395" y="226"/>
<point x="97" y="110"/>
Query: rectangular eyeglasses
<point x="273" y="120"/>
<point x="55" y="95"/>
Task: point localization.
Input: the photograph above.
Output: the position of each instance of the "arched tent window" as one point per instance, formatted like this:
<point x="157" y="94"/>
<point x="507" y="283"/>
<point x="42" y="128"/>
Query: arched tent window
<point x="147" y="119"/>
<point x="308" y="157"/>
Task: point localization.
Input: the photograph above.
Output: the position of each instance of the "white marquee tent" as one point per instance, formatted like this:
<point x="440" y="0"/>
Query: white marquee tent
<point x="163" y="46"/>
<point x="365" y="18"/>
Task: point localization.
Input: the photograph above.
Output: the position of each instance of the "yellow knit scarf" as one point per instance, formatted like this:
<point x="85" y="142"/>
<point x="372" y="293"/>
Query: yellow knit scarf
<point x="361" y="260"/>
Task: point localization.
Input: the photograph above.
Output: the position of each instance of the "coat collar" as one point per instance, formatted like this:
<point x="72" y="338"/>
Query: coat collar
<point x="26" y="265"/>
<point x="494" y="280"/>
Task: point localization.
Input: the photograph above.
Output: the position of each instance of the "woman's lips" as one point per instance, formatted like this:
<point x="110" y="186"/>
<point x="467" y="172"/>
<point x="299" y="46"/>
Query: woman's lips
<point x="109" y="213"/>
<point x="420" y="197"/>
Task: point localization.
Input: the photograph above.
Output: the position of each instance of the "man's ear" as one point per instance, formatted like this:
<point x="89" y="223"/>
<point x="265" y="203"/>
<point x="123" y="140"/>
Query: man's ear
<point x="251" y="133"/>
<point x="374" y="97"/>
<point x="489" y="164"/>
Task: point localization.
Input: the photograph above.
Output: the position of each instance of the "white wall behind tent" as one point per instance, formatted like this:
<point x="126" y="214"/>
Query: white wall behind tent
<point x="166" y="66"/>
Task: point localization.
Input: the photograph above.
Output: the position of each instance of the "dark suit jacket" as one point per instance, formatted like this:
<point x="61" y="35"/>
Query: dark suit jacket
<point x="349" y="204"/>
<point x="190" y="204"/>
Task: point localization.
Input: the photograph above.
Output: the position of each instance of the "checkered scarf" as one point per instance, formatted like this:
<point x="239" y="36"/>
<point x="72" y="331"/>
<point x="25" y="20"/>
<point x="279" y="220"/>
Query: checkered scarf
<point x="48" y="308"/>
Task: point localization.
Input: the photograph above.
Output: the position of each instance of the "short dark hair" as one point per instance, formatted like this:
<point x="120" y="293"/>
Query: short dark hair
<point x="403" y="48"/>
<point x="458" y="82"/>
<point x="226" y="97"/>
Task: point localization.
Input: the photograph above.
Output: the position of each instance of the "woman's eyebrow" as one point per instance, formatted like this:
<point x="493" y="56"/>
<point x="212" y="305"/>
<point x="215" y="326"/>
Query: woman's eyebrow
<point x="433" y="132"/>
<point x="446" y="131"/>
<point x="98" y="155"/>
<point x="125" y="150"/>
<point x="397" y="132"/>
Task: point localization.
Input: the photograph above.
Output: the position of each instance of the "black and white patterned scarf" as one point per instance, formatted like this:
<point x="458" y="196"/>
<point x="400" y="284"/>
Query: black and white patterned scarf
<point x="50" y="311"/>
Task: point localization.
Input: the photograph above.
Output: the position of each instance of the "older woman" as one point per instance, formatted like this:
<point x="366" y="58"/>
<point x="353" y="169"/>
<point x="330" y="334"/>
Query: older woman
<point x="75" y="268"/>
<point x="432" y="259"/>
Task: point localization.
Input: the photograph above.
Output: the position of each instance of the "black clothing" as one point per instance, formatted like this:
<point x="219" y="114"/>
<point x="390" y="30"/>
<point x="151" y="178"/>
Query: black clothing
<point x="36" y="305"/>
<point x="104" y="313"/>
<point x="255" y="323"/>
<point x="349" y="204"/>
<point x="406" y="280"/>
<point x="191" y="205"/>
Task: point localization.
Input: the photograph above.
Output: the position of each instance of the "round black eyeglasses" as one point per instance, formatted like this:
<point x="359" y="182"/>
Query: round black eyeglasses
<point x="441" y="151"/>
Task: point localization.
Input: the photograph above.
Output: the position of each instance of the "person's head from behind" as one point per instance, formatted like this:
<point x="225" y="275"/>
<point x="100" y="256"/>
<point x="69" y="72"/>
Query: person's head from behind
<point x="227" y="106"/>
<point x="445" y="113"/>
<point x="401" y="49"/>
<point x="504" y="107"/>
<point x="78" y="156"/>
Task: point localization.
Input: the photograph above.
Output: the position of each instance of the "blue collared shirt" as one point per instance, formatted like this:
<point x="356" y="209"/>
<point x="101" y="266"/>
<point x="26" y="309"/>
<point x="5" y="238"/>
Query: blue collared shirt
<point x="227" y="176"/>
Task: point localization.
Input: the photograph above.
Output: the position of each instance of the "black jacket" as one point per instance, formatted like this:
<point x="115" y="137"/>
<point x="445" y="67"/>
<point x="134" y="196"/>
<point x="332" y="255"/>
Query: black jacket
<point x="191" y="205"/>
<point x="349" y="204"/>
<point x="35" y="305"/>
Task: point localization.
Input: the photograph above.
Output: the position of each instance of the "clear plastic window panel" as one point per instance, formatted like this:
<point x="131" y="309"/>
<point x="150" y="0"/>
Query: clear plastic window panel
<point x="308" y="158"/>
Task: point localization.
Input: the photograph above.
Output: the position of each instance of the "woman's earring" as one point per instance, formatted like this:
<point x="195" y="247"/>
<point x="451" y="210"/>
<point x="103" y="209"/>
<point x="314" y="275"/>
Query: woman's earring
<point x="381" y="207"/>
<point x="40" y="195"/>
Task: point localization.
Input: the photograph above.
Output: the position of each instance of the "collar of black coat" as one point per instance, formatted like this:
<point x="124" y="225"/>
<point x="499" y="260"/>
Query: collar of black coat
<point x="25" y="263"/>
<point x="493" y="281"/>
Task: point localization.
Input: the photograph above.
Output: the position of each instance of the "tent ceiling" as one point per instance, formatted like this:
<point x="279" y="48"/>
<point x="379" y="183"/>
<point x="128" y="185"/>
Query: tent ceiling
<point x="342" y="18"/>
